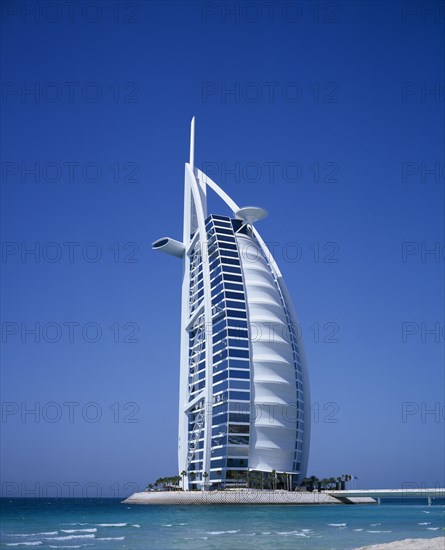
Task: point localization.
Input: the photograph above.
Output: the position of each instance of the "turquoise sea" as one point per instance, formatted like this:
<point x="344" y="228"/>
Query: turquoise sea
<point x="108" y="524"/>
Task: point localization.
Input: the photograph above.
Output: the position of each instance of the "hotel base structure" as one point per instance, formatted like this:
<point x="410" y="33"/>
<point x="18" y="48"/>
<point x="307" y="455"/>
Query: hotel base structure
<point x="244" y="405"/>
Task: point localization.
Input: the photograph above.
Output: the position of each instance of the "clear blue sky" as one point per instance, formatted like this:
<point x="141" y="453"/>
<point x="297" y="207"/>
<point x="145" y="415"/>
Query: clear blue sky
<point x="334" y="119"/>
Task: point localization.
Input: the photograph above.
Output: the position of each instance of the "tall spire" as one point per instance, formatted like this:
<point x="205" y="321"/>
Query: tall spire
<point x="192" y="144"/>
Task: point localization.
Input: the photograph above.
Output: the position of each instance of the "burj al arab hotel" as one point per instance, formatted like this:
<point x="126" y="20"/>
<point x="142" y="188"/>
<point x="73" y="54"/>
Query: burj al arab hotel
<point x="244" y="405"/>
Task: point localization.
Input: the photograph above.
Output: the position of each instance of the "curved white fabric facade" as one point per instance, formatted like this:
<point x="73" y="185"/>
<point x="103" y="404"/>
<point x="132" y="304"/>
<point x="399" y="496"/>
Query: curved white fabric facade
<point x="273" y="378"/>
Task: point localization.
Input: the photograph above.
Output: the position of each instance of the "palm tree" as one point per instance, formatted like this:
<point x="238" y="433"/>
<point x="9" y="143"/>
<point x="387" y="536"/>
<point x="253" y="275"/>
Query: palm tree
<point x="183" y="474"/>
<point x="192" y="476"/>
<point x="313" y="482"/>
<point x="304" y="482"/>
<point x="323" y="483"/>
<point x="345" y="479"/>
<point x="274" y="479"/>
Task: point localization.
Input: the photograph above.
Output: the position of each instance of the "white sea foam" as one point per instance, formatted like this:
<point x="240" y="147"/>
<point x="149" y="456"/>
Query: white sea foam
<point x="378" y="531"/>
<point x="71" y="537"/>
<point x="425" y="511"/>
<point x="91" y="530"/>
<point x="222" y="532"/>
<point x="33" y="534"/>
<point x="337" y="524"/>
<point x="135" y="525"/>
<point x="358" y="529"/>
<point x="77" y="546"/>
<point x="425" y="523"/>
<point x="167" y="525"/>
<point x="35" y="543"/>
<point x="111" y="538"/>
<point x="266" y="533"/>
<point x="293" y="533"/>
<point x="374" y="524"/>
<point x="433" y="528"/>
<point x="111" y="524"/>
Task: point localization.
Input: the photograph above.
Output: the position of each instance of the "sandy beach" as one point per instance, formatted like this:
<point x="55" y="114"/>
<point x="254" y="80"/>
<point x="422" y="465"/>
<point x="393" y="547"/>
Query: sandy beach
<point x="437" y="543"/>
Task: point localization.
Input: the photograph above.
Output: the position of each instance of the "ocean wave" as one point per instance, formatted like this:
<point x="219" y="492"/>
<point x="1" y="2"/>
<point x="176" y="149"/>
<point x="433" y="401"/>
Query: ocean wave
<point x="91" y="530"/>
<point x="33" y="534"/>
<point x="167" y="525"/>
<point x="425" y="523"/>
<point x="222" y="532"/>
<point x="111" y="524"/>
<point x="358" y="529"/>
<point x="374" y="524"/>
<point x="35" y="543"/>
<point x="337" y="524"/>
<point x="71" y="537"/>
<point x="292" y="533"/>
<point x="378" y="531"/>
<point x="135" y="525"/>
<point x="433" y="528"/>
<point x="111" y="538"/>
<point x="77" y="546"/>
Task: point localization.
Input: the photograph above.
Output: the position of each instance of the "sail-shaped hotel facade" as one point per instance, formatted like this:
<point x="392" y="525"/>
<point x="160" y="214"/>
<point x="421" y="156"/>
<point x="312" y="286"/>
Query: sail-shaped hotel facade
<point x="244" y="405"/>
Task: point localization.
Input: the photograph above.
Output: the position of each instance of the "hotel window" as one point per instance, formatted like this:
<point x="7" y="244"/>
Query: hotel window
<point x="225" y="238"/>
<point x="234" y="295"/>
<point x="238" y="343"/>
<point x="219" y="336"/>
<point x="219" y="463"/>
<point x="239" y="363"/>
<point x="234" y="286"/>
<point x="239" y="417"/>
<point x="237" y="463"/>
<point x="236" y="305"/>
<point x="227" y="246"/>
<point x="236" y="323"/>
<point x="238" y="333"/>
<point x="220" y="386"/>
<point x="236" y="313"/>
<point x="229" y="254"/>
<point x="239" y="353"/>
<point x="238" y="429"/>
<point x="238" y="440"/>
<point x="230" y="261"/>
<point x="245" y="374"/>
<point x="239" y="384"/>
<point x="223" y="230"/>
<point x="220" y="376"/>
<point x="242" y="396"/>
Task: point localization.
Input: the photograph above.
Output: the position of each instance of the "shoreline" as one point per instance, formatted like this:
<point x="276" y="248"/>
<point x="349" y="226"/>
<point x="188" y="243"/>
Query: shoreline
<point x="436" y="543"/>
<point x="240" y="497"/>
